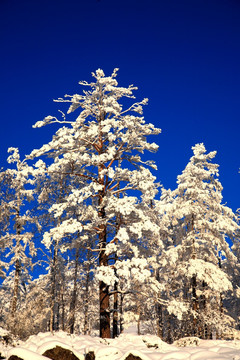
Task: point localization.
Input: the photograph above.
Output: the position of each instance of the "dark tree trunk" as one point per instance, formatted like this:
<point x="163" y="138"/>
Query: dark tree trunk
<point x="104" y="311"/>
<point x="115" y="311"/>
<point x="105" y="331"/>
<point x="115" y="296"/>
<point x="158" y="309"/>
<point x="194" y="285"/>
<point x="159" y="320"/>
<point x="15" y="287"/>
<point x="220" y="295"/>
<point x="57" y="324"/>
<point x="139" y="313"/>
<point x="53" y="289"/>
<point x="63" y="308"/>
<point x="86" y="298"/>
<point x="194" y="304"/>
<point x="72" y="309"/>
<point x="121" y="312"/>
<point x="169" y="329"/>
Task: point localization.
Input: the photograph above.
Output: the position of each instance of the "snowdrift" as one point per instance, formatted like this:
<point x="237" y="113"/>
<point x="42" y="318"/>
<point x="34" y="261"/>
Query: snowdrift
<point x="126" y="347"/>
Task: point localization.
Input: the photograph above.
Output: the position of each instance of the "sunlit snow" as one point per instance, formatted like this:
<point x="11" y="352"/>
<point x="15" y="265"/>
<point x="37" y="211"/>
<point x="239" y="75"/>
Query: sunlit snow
<point x="146" y="347"/>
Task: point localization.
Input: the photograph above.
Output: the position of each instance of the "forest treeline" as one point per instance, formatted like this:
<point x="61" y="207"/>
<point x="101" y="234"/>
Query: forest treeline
<point x="91" y="242"/>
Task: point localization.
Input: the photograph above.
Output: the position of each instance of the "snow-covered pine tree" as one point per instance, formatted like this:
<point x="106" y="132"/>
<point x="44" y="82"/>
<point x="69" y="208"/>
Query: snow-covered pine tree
<point x="18" y="234"/>
<point x="52" y="188"/>
<point x="161" y="261"/>
<point x="73" y="249"/>
<point x="202" y="226"/>
<point x="103" y="147"/>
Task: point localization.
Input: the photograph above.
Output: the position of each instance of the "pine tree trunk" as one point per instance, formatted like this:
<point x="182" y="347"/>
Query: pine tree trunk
<point x="159" y="320"/>
<point x="121" y="312"/>
<point x="72" y="309"/>
<point x="63" y="309"/>
<point x="86" y="298"/>
<point x="194" y="304"/>
<point x="158" y="309"/>
<point x="104" y="311"/>
<point x="220" y="295"/>
<point x="138" y="313"/>
<point x="115" y="301"/>
<point x="104" y="308"/>
<point x="53" y="289"/>
<point x="115" y="296"/>
<point x="220" y="309"/>
<point x="15" y="287"/>
<point x="169" y="329"/>
<point x="104" y="297"/>
<point x="115" y="311"/>
<point x="202" y="305"/>
<point x="57" y="313"/>
<point x="194" y="284"/>
<point x="86" y="306"/>
<point x="104" y="288"/>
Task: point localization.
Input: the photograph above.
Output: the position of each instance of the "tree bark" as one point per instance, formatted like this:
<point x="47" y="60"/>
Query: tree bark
<point x="86" y="328"/>
<point x="15" y="287"/>
<point x="115" y="311"/>
<point x="158" y="309"/>
<point x="121" y="312"/>
<point x="169" y="329"/>
<point x="194" y="284"/>
<point x="72" y="309"/>
<point x="86" y="301"/>
<point x="105" y="331"/>
<point x="159" y="320"/>
<point x="103" y="288"/>
<point x="194" y="304"/>
<point x="115" y="296"/>
<point x="63" y="309"/>
<point x="53" y="289"/>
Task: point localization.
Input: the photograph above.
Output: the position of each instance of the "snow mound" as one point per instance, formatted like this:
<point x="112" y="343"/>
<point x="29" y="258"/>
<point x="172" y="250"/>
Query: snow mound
<point x="125" y="347"/>
<point x="139" y="355"/>
<point x="55" y="343"/>
<point x="25" y="354"/>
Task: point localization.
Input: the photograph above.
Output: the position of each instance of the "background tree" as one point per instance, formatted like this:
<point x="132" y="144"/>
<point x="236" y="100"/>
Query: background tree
<point x="18" y="234"/>
<point x="202" y="226"/>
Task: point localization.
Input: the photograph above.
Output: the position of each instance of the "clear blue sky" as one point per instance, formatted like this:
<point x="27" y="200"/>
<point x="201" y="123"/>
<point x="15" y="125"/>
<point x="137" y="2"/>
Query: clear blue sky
<point x="184" y="55"/>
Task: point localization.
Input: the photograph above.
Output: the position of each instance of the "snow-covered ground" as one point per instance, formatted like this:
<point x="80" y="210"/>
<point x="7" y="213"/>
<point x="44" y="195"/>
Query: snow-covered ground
<point x="147" y="347"/>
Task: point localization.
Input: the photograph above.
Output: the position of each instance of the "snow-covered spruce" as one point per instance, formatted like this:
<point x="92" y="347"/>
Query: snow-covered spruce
<point x="192" y="268"/>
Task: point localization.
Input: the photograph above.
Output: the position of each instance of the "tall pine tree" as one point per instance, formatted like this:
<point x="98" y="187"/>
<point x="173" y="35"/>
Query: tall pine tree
<point x="103" y="147"/>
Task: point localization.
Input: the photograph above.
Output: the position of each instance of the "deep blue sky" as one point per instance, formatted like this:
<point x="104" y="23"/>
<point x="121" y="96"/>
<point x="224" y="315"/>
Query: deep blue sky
<point x="184" y="55"/>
